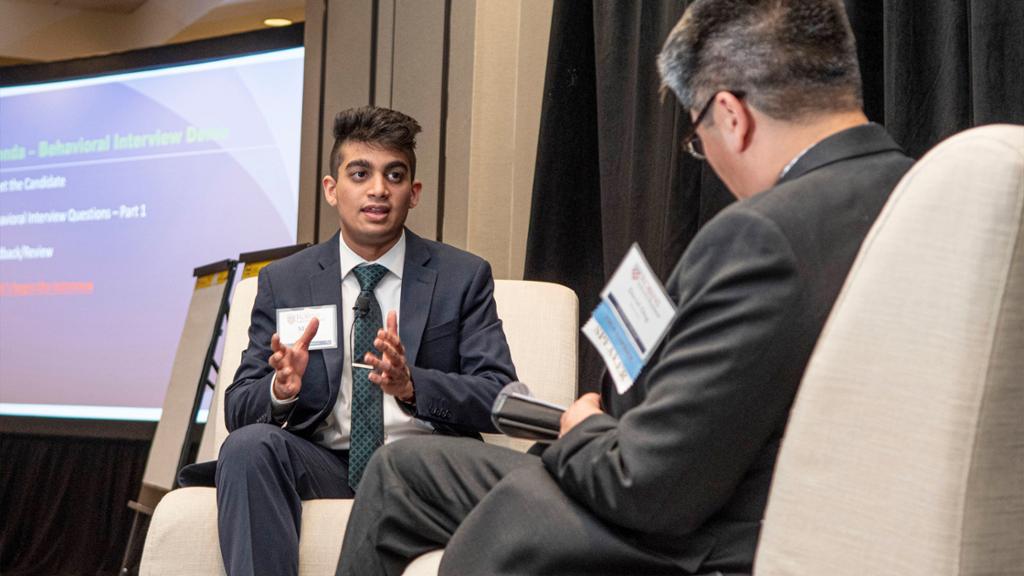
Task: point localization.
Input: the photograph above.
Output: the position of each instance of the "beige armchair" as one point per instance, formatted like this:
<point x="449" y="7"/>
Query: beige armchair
<point x="182" y="537"/>
<point x="904" y="453"/>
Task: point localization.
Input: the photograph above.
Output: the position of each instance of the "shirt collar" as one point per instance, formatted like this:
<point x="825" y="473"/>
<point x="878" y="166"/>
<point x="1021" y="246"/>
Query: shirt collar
<point x="393" y="259"/>
<point x="785" y="169"/>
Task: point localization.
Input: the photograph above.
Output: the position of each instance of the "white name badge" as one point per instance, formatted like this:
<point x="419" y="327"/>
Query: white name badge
<point x="292" y="322"/>
<point x="633" y="316"/>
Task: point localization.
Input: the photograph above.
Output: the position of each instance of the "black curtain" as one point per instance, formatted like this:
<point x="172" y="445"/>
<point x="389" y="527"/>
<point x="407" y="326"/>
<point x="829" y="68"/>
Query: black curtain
<point x="64" y="503"/>
<point x="610" y="170"/>
<point x="565" y="242"/>
<point x="652" y="192"/>
<point x="946" y="66"/>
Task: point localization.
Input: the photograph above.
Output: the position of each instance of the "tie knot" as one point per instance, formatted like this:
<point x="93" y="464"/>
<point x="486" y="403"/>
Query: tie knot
<point x="369" y="275"/>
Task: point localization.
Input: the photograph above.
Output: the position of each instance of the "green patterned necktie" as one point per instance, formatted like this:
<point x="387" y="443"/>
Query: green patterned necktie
<point x="367" y="409"/>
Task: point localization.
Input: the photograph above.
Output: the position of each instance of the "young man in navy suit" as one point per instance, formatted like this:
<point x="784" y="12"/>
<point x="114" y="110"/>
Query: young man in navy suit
<point x="304" y="422"/>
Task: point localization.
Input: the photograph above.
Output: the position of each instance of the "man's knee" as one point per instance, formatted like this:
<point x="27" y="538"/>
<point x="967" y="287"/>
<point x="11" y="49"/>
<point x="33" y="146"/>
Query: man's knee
<point x="252" y="446"/>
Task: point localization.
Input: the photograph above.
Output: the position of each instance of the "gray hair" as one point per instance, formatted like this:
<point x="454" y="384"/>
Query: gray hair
<point x="791" y="58"/>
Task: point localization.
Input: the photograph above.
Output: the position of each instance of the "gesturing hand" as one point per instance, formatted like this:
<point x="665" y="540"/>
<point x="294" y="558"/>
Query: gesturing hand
<point x="390" y="371"/>
<point x="290" y="362"/>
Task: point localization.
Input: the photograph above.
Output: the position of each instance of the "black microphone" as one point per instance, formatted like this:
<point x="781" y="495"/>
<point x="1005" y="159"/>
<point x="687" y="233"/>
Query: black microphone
<point x="362" y="305"/>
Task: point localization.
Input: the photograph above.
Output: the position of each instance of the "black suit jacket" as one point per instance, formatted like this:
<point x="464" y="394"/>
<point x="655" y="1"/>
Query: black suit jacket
<point x="682" y="462"/>
<point x="448" y="324"/>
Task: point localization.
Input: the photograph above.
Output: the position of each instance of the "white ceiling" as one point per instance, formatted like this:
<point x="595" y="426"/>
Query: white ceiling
<point x="48" y="30"/>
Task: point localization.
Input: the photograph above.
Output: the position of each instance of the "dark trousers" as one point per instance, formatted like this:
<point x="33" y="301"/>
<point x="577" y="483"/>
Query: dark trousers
<point x="263" y="475"/>
<point x="495" y="511"/>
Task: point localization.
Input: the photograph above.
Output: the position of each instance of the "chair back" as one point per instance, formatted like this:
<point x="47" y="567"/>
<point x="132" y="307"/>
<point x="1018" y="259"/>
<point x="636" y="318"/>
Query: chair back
<point x="236" y="338"/>
<point x="904" y="453"/>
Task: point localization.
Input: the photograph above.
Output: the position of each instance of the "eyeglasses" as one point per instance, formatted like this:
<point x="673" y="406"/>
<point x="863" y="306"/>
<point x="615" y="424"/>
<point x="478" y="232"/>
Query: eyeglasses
<point x="691" y="142"/>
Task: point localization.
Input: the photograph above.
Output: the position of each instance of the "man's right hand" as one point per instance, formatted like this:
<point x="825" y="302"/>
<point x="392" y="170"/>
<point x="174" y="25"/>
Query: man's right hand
<point x="289" y="362"/>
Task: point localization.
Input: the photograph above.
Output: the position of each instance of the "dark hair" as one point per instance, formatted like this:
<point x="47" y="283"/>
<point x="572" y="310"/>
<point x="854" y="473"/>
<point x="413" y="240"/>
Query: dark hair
<point x="792" y="58"/>
<point x="378" y="127"/>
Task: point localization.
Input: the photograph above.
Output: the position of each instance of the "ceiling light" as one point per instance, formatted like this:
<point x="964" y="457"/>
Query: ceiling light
<point x="277" y="22"/>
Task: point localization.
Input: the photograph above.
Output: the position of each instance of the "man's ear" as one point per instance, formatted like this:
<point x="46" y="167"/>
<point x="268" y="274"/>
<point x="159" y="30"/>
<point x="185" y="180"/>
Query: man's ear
<point x="330" y="190"/>
<point x="737" y="126"/>
<point x="414" y="198"/>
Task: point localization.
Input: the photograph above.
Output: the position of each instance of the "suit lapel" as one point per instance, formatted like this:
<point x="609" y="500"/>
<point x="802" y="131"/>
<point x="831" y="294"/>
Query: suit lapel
<point x="417" y="291"/>
<point x="325" y="289"/>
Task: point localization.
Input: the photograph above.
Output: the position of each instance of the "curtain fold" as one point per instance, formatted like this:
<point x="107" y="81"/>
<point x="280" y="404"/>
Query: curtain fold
<point x="649" y="185"/>
<point x="997" y="58"/>
<point x="565" y="239"/>
<point x="948" y="66"/>
<point x="613" y="134"/>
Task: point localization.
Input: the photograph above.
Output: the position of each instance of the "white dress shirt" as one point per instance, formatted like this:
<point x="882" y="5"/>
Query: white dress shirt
<point x="334" y="432"/>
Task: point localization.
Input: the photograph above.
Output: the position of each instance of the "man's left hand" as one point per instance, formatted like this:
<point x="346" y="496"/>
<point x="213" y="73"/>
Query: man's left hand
<point x="584" y="407"/>
<point x="390" y="371"/>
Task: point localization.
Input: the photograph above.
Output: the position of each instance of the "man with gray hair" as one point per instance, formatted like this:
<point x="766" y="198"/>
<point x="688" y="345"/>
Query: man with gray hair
<point x="672" y="476"/>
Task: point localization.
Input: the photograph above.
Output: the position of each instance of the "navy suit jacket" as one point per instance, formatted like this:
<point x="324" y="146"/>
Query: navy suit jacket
<point x="448" y="323"/>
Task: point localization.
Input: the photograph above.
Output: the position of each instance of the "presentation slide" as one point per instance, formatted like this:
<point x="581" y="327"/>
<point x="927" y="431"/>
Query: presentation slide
<point x="112" y="190"/>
